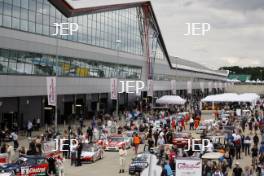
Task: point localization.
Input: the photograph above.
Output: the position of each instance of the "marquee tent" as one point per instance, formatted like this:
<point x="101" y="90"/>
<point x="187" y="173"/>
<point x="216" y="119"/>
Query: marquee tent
<point x="232" y="97"/>
<point x="171" y="99"/>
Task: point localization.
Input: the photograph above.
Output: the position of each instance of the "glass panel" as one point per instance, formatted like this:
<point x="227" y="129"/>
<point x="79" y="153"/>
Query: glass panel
<point x="7" y="9"/>
<point x="15" y="23"/>
<point x="16" y="11"/>
<point x="24" y="14"/>
<point x="24" y="4"/>
<point x="24" y="25"/>
<point x="7" y="21"/>
<point x="32" y="27"/>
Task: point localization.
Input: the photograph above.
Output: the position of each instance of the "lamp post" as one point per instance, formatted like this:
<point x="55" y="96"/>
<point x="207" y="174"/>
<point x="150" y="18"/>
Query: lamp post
<point x="118" y="43"/>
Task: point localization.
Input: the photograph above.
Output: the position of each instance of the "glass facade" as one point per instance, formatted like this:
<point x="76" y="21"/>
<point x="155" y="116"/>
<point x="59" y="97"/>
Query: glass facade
<point x="27" y="63"/>
<point x="101" y="29"/>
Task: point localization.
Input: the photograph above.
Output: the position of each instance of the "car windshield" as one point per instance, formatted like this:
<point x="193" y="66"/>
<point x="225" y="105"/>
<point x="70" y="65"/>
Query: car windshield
<point x="180" y="135"/>
<point x="89" y="148"/>
<point x="23" y="160"/>
<point x="117" y="139"/>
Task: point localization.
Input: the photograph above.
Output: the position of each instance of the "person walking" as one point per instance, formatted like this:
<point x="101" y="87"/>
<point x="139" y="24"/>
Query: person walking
<point x="136" y="141"/>
<point x="237" y="171"/>
<point x="256" y="139"/>
<point x="122" y="158"/>
<point x="247" y="142"/>
<point x="166" y="171"/>
<point x="254" y="151"/>
<point x="10" y="153"/>
<point x="156" y="137"/>
<point x="29" y="128"/>
<point x="15" y="140"/>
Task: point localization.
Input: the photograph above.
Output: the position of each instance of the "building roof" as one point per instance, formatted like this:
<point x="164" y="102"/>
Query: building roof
<point x="183" y="64"/>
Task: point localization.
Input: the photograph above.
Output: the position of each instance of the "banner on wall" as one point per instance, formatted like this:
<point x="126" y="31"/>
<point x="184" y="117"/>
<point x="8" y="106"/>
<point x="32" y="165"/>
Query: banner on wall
<point x="114" y="88"/>
<point x="210" y="86"/>
<point x="189" y="87"/>
<point x="51" y="91"/>
<point x="215" y="85"/>
<point x="150" y="88"/>
<point x="188" y="167"/>
<point x="173" y="87"/>
<point x="202" y="86"/>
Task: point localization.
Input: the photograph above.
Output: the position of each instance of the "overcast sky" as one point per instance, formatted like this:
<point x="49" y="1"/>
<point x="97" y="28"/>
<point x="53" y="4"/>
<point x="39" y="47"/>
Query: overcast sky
<point x="236" y="36"/>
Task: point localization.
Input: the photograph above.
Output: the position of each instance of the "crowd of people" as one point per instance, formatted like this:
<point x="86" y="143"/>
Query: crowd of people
<point x="243" y="142"/>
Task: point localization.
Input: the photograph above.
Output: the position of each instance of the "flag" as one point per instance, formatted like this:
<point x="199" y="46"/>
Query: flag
<point x="113" y="88"/>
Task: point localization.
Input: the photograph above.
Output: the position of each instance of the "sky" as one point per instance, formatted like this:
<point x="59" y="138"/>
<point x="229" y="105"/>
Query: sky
<point x="236" y="37"/>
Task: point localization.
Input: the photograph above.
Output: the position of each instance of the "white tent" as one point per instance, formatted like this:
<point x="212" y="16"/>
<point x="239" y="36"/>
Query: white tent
<point x="232" y="97"/>
<point x="227" y="97"/>
<point x="171" y="99"/>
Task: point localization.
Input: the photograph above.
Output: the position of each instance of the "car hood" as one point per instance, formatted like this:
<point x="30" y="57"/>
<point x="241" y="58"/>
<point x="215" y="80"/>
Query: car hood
<point x="8" y="167"/>
<point x="114" y="144"/>
<point x="87" y="154"/>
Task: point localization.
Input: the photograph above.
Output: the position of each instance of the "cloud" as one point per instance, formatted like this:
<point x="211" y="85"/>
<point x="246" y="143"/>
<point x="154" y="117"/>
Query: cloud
<point x="236" y="36"/>
<point x="233" y="61"/>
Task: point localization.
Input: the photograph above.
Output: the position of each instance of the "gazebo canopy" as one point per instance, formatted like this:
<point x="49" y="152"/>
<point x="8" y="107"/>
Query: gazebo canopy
<point x="232" y="97"/>
<point x="171" y="99"/>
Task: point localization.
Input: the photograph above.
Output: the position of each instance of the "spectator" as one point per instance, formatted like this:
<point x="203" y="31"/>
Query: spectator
<point x="122" y="158"/>
<point x="237" y="171"/>
<point x="29" y="128"/>
<point x="15" y="140"/>
<point x="136" y="140"/>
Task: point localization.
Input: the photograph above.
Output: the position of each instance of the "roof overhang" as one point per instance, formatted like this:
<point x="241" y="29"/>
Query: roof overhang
<point x="69" y="9"/>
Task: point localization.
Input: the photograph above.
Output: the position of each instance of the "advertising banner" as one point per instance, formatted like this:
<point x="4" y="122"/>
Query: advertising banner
<point x="202" y="86"/>
<point x="51" y="90"/>
<point x="173" y="87"/>
<point x="188" y="167"/>
<point x="114" y="88"/>
<point x="215" y="85"/>
<point x="150" y="88"/>
<point x="210" y="86"/>
<point x="189" y="87"/>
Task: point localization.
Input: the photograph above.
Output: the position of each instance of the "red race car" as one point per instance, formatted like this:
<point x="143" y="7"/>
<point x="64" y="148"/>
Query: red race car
<point x="116" y="141"/>
<point x="92" y="153"/>
<point x="181" y="139"/>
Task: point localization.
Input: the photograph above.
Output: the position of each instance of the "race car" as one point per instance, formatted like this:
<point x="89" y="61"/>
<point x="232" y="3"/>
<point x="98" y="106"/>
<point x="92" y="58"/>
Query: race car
<point x="181" y="139"/>
<point x="117" y="141"/>
<point x="91" y="153"/>
<point x="139" y="164"/>
<point x="27" y="165"/>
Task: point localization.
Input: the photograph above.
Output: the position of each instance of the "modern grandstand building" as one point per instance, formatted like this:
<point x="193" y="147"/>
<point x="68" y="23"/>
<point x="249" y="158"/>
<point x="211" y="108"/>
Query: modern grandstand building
<point x="120" y="41"/>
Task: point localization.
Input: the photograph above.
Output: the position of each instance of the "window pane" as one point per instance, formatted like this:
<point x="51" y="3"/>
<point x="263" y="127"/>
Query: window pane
<point x="32" y="27"/>
<point x="15" y="23"/>
<point x="24" y="14"/>
<point x="16" y="3"/>
<point x="39" y="28"/>
<point x="7" y="9"/>
<point x="7" y="21"/>
<point x="24" y="25"/>
<point x="39" y="18"/>
<point x="32" y="5"/>
<point x="3" y="66"/>
<point x="24" y="4"/>
<point x="32" y="16"/>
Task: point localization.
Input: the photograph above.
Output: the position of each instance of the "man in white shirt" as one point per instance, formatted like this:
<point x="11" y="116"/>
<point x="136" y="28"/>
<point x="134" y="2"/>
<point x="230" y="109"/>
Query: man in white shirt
<point x="122" y="158"/>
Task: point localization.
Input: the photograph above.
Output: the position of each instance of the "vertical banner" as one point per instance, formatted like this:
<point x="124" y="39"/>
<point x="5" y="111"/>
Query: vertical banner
<point x="215" y="85"/>
<point x="210" y="86"/>
<point x="114" y="88"/>
<point x="173" y="87"/>
<point x="150" y="88"/>
<point x="189" y="87"/>
<point x="51" y="90"/>
<point x="202" y="86"/>
<point x="220" y="85"/>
